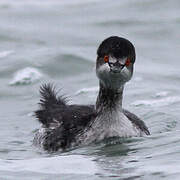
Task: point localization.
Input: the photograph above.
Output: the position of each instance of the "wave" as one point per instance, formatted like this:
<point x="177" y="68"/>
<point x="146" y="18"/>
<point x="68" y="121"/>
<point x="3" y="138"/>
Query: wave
<point x="24" y="76"/>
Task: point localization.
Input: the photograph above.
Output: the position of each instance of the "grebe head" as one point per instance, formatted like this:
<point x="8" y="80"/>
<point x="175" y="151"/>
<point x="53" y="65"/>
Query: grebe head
<point x="115" y="60"/>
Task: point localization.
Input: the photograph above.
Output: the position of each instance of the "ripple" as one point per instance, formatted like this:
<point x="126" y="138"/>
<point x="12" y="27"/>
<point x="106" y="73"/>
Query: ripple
<point x="157" y="102"/>
<point x="75" y="164"/>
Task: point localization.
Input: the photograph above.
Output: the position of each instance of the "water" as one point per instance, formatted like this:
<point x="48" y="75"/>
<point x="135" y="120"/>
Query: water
<point x="56" y="41"/>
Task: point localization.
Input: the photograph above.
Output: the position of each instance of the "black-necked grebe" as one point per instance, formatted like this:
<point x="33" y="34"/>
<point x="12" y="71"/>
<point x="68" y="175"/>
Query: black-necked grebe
<point x="65" y="126"/>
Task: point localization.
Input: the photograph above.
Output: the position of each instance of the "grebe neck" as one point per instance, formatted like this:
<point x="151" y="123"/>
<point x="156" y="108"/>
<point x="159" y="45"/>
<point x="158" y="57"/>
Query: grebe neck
<point x="109" y="99"/>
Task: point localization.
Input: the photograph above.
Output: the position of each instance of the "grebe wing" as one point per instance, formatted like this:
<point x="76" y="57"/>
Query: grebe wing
<point x="136" y="121"/>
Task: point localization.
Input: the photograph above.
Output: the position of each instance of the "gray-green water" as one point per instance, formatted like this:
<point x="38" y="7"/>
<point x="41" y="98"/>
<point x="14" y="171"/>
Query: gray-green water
<point x="56" y="41"/>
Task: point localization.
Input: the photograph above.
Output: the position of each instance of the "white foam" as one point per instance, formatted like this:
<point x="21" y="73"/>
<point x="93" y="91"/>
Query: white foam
<point x="71" y="164"/>
<point x="4" y="54"/>
<point x="87" y="90"/>
<point x="162" y="94"/>
<point x="157" y="102"/>
<point x="26" y="76"/>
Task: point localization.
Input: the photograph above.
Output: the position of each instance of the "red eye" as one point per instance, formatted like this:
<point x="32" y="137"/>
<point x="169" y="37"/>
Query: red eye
<point x="106" y="58"/>
<point x="128" y="61"/>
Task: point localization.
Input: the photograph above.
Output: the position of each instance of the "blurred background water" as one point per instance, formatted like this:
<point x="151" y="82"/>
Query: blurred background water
<point x="56" y="41"/>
